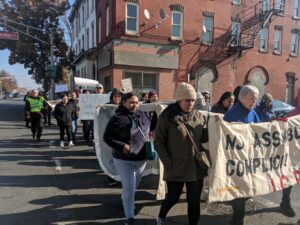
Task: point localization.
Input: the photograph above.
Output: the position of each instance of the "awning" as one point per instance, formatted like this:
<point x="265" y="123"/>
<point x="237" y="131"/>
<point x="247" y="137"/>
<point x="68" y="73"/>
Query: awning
<point x="85" y="82"/>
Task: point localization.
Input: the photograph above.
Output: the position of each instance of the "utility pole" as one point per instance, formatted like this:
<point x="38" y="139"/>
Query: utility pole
<point x="52" y="64"/>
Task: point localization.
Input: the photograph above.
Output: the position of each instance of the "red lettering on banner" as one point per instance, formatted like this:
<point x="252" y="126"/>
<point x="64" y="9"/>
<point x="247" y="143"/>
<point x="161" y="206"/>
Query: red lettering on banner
<point x="283" y="177"/>
<point x="273" y="185"/>
<point x="297" y="176"/>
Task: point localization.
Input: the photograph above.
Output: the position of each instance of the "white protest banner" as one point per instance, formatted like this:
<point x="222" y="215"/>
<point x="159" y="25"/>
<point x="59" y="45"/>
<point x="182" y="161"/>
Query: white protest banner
<point x="253" y="159"/>
<point x="127" y="85"/>
<point x="88" y="104"/>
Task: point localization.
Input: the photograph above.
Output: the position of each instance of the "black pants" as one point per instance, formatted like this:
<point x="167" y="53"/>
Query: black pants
<point x="193" y="193"/>
<point x="239" y="206"/>
<point x="88" y="130"/>
<point x="62" y="129"/>
<point x="36" y="126"/>
<point x="49" y="115"/>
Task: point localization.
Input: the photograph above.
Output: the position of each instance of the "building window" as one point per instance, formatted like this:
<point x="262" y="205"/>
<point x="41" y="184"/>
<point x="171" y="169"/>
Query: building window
<point x="263" y="40"/>
<point x="177" y="25"/>
<point x="143" y="81"/>
<point x="280" y="5"/>
<point x="87" y="38"/>
<point x="132" y="18"/>
<point x="79" y="44"/>
<point x="294" y="44"/>
<point x="93" y="5"/>
<point x="208" y="25"/>
<point x="87" y="8"/>
<point x="237" y="2"/>
<point x="235" y="33"/>
<point x="82" y="15"/>
<point x="107" y="83"/>
<point x="107" y="21"/>
<point x="82" y="41"/>
<point x="99" y="30"/>
<point x="79" y="21"/>
<point x="296" y="8"/>
<point x="93" y="34"/>
<point x="277" y="41"/>
<point x="265" y="5"/>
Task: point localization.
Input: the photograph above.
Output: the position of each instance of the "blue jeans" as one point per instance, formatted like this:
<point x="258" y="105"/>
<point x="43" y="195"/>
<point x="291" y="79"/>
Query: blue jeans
<point x="130" y="175"/>
<point x="74" y="129"/>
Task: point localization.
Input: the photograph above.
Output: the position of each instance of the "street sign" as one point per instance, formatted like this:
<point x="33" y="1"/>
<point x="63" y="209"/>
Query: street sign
<point x="9" y="35"/>
<point x="51" y="71"/>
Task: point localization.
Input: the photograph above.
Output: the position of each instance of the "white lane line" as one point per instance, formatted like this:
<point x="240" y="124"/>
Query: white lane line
<point x="58" y="165"/>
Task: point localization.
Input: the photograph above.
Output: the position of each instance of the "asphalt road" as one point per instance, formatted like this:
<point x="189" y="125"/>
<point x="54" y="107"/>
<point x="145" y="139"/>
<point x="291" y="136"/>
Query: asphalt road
<point x="41" y="183"/>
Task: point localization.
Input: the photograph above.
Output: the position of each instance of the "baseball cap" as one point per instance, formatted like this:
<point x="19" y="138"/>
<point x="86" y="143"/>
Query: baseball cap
<point x="99" y="86"/>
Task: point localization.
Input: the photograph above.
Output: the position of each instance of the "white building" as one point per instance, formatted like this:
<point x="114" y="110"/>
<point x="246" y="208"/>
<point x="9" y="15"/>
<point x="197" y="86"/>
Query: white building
<point x="83" y="22"/>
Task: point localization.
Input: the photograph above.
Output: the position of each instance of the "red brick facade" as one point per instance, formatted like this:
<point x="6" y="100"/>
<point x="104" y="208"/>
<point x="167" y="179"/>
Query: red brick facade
<point x="210" y="66"/>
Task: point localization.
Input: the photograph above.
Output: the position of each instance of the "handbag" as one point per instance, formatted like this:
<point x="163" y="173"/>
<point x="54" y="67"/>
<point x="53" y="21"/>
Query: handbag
<point x="202" y="156"/>
<point x="150" y="151"/>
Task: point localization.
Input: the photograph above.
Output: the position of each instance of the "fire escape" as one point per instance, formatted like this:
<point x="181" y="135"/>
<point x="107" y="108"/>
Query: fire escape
<point x="248" y="27"/>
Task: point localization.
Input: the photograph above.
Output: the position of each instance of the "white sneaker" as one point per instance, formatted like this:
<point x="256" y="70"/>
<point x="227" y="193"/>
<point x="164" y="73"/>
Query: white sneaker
<point x="62" y="144"/>
<point x="71" y="144"/>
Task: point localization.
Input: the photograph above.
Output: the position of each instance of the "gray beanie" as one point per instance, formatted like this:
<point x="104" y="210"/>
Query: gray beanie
<point x="185" y="91"/>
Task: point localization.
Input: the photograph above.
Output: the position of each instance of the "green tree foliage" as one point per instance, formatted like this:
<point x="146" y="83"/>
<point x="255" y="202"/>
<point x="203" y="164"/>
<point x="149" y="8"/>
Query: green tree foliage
<point x="33" y="54"/>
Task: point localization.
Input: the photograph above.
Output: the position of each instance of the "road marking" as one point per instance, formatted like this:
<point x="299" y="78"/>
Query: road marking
<point x="266" y="202"/>
<point x="58" y="165"/>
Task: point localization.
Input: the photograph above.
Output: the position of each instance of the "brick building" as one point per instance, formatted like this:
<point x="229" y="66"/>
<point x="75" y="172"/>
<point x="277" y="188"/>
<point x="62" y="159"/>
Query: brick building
<point x="215" y="45"/>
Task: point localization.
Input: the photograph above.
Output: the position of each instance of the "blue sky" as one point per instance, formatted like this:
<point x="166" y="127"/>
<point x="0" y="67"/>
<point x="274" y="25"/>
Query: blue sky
<point x="17" y="70"/>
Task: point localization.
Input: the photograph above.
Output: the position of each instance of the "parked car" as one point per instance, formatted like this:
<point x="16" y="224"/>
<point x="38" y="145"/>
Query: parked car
<point x="7" y="95"/>
<point x="16" y="95"/>
<point x="280" y="108"/>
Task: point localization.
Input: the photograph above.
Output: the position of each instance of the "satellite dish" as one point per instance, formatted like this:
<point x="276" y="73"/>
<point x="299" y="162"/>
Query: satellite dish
<point x="162" y="14"/>
<point x="147" y="14"/>
<point x="204" y="28"/>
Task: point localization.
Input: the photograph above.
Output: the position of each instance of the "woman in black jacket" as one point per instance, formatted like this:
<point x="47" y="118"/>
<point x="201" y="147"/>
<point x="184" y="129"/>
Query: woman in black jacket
<point x="73" y="101"/>
<point x="125" y="133"/>
<point x="63" y="114"/>
<point x="224" y="104"/>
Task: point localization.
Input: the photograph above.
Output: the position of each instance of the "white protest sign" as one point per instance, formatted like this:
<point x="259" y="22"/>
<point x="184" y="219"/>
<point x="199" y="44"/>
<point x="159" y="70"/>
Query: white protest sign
<point x="127" y="85"/>
<point x="61" y="88"/>
<point x="88" y="104"/>
<point x="253" y="159"/>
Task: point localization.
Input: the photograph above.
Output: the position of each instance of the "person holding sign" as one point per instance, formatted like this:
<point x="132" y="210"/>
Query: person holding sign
<point x="115" y="98"/>
<point x="266" y="114"/>
<point x="124" y="134"/>
<point x="177" y="153"/>
<point x="243" y="111"/>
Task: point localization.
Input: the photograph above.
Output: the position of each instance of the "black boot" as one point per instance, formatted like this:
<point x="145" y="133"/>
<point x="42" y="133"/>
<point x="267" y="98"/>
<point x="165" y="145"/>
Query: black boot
<point x="130" y="221"/>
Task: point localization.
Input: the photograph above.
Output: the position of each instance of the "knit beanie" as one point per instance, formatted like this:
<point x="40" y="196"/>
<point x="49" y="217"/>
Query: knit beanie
<point x="185" y="91"/>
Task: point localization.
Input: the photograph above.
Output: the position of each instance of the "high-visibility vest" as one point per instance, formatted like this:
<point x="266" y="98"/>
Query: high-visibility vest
<point x="36" y="104"/>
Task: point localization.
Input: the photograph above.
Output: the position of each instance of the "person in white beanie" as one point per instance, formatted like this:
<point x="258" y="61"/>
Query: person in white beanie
<point x="176" y="152"/>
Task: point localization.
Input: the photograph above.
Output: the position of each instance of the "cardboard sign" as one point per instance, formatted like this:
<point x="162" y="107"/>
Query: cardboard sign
<point x="88" y="104"/>
<point x="127" y="85"/>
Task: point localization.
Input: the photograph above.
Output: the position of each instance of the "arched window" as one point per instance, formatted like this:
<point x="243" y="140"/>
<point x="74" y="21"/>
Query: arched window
<point x="258" y="79"/>
<point x="204" y="79"/>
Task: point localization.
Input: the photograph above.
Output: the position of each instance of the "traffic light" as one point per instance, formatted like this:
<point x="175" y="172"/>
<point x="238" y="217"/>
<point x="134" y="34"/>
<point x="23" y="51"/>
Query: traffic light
<point x="51" y="71"/>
